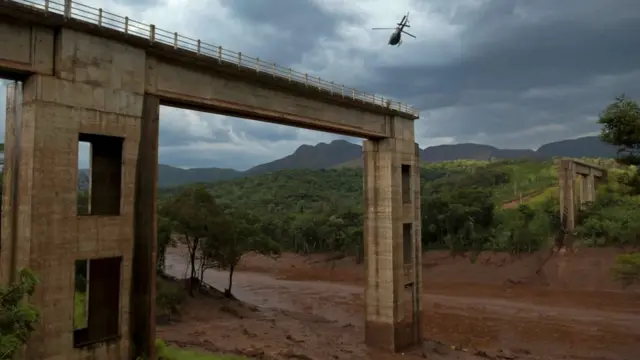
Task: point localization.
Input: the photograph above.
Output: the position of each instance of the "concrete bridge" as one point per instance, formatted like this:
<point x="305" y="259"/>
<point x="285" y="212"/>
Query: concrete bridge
<point x="83" y="74"/>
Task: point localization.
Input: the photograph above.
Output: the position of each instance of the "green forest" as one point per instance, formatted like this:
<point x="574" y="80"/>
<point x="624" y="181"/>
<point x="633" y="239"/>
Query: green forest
<point x="510" y="206"/>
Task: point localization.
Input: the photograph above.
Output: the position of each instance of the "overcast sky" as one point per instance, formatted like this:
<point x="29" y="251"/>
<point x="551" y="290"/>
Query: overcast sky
<point x="509" y="73"/>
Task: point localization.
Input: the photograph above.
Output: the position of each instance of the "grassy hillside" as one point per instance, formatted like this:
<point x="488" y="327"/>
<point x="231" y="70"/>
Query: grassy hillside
<point x="466" y="204"/>
<point x="343" y="154"/>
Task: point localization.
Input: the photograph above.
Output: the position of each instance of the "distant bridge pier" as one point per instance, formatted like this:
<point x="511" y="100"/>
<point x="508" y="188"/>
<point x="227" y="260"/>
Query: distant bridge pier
<point x="577" y="183"/>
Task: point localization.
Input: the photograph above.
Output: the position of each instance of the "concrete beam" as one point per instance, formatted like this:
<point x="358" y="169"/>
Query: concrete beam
<point x="197" y="89"/>
<point x="25" y="49"/>
<point x="27" y="16"/>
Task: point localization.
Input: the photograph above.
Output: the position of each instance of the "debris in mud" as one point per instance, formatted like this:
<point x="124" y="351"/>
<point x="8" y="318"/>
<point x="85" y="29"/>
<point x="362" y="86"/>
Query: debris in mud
<point x="291" y="338"/>
<point x="290" y="354"/>
<point x="248" y="333"/>
<point x="434" y="347"/>
<point x="233" y="312"/>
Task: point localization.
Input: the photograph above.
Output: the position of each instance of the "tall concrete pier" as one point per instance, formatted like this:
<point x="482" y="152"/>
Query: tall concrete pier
<point x="86" y="81"/>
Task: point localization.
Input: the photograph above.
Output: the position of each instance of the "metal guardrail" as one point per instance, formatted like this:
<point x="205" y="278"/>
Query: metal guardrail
<point x="102" y="18"/>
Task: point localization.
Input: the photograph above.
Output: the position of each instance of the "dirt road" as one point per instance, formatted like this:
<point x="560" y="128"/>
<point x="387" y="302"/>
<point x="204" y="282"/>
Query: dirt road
<point x="320" y="319"/>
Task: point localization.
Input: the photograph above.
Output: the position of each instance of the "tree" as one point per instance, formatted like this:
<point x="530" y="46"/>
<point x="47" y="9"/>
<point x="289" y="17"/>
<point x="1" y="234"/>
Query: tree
<point x="17" y="317"/>
<point x="165" y="239"/>
<point x="235" y="235"/>
<point x="192" y="213"/>
<point x="621" y="128"/>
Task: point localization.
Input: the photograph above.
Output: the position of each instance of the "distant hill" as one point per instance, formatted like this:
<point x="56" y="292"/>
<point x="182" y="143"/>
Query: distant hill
<point x="169" y="176"/>
<point x="590" y="146"/>
<point x="172" y="176"/>
<point x="341" y="154"/>
<point x="320" y="156"/>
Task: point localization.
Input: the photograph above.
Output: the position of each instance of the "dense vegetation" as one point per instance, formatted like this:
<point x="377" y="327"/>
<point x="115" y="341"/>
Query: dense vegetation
<point x="508" y="205"/>
<point x="17" y="317"/>
<point x="462" y="207"/>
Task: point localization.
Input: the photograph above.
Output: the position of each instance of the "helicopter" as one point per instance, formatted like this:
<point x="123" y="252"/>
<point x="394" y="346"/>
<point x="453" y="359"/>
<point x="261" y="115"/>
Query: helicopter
<point x="396" y="37"/>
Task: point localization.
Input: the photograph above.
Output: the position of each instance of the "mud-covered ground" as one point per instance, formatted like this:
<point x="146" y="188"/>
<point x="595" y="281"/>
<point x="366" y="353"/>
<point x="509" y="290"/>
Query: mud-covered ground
<point x="541" y="306"/>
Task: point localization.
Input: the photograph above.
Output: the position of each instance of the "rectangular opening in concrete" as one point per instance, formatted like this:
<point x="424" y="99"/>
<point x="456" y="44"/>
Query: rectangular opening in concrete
<point x="101" y="301"/>
<point x="104" y="174"/>
<point x="80" y="295"/>
<point x="406" y="184"/>
<point x="407" y="244"/>
<point x="84" y="168"/>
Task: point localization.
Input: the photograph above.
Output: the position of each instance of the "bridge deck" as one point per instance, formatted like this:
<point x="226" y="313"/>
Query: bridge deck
<point x="156" y="41"/>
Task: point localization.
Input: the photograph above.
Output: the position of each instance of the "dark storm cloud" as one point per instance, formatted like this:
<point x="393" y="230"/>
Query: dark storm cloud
<point x="257" y="130"/>
<point x="510" y="47"/>
<point x="300" y="24"/>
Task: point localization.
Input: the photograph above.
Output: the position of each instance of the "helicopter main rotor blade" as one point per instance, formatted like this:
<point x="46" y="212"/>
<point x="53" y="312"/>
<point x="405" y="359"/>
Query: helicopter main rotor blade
<point x="404" y="32"/>
<point x="383" y="28"/>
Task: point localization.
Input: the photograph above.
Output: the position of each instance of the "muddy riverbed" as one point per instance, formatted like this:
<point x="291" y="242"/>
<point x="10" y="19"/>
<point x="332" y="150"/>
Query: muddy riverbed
<point x="534" y="307"/>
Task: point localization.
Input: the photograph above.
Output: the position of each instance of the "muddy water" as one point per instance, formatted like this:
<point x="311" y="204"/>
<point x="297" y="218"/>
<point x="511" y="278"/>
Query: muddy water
<point x="546" y="327"/>
<point x="336" y="302"/>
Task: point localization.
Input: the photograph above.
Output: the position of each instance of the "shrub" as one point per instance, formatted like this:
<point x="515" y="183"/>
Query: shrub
<point x="17" y="317"/>
<point x="627" y="268"/>
<point x="169" y="296"/>
<point x="612" y="220"/>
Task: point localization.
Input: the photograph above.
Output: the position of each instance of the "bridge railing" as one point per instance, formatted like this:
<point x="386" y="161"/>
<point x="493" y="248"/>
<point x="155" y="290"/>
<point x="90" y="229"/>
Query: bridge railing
<point x="102" y="18"/>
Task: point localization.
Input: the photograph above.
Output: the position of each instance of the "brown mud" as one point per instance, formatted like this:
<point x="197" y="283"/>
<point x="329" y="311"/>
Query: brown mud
<point x="540" y="306"/>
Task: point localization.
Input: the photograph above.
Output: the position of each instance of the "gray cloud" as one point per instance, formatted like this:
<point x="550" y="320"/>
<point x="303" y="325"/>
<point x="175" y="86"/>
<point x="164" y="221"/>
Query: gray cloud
<point x="297" y="26"/>
<point x="525" y="65"/>
<point x="511" y="73"/>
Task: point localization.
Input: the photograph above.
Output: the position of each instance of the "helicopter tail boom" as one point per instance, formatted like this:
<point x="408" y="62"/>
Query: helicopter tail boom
<point x="404" y="32"/>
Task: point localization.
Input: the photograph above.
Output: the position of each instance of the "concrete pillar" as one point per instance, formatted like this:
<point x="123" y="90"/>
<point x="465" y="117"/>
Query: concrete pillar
<point x="582" y="189"/>
<point x="567" y="194"/>
<point x="145" y="232"/>
<point x="591" y="187"/>
<point x="55" y="115"/>
<point x="392" y="240"/>
<point x="9" y="251"/>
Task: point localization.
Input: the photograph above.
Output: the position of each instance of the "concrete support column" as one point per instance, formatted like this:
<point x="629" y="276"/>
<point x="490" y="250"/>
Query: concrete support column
<point x="392" y="242"/>
<point x="591" y="187"/>
<point x="567" y="194"/>
<point x="11" y="255"/>
<point x="581" y="191"/>
<point x="56" y="115"/>
<point x="143" y="297"/>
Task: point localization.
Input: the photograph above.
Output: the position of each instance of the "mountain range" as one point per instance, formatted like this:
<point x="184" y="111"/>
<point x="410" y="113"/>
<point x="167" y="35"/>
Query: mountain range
<point x="341" y="153"/>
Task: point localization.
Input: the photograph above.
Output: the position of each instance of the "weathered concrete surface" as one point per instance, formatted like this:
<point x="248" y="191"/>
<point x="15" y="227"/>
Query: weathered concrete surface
<point x="200" y="89"/>
<point x="95" y="82"/>
<point x="50" y="234"/>
<point x="571" y="174"/>
<point x="161" y="70"/>
<point x="25" y="49"/>
<point x="393" y="287"/>
<point x="143" y="324"/>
